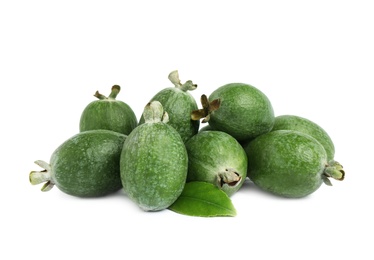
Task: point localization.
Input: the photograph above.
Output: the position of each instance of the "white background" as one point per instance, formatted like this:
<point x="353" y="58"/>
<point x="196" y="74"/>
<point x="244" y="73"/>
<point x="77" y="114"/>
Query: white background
<point x="311" y="58"/>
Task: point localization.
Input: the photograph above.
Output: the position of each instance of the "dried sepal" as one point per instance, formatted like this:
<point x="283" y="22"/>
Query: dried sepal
<point x="174" y="78"/>
<point x="333" y="170"/>
<point x="43" y="176"/>
<point x="208" y="108"/>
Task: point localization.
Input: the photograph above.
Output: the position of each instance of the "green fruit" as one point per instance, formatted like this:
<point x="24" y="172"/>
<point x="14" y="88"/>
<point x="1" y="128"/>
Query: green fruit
<point x="85" y="165"/>
<point x="179" y="104"/>
<point x="238" y="109"/>
<point x="217" y="158"/>
<point x="108" y="113"/>
<point x="154" y="161"/>
<point x="290" y="164"/>
<point x="306" y="126"/>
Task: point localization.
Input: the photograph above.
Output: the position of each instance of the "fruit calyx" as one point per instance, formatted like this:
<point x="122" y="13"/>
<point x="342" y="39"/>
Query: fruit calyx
<point x="208" y="108"/>
<point x="37" y="177"/>
<point x="154" y="113"/>
<point x="112" y="96"/>
<point x="333" y="170"/>
<point x="229" y="176"/>
<point x="174" y="78"/>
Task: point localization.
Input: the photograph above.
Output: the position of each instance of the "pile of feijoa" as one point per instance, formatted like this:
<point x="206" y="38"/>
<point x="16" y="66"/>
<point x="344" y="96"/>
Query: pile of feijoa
<point x="167" y="160"/>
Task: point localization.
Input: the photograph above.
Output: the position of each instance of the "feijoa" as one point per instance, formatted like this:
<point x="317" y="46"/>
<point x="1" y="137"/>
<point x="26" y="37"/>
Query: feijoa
<point x="179" y="104"/>
<point x="108" y="113"/>
<point x="290" y="163"/>
<point x="238" y="109"/>
<point x="85" y="165"/>
<point x="217" y="157"/>
<point x="304" y="125"/>
<point x="154" y="161"/>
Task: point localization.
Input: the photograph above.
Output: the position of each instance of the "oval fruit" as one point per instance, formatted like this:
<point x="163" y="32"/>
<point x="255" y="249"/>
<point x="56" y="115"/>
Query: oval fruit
<point x="306" y="126"/>
<point x="238" y="109"/>
<point x="179" y="104"/>
<point x="85" y="165"/>
<point x="108" y="113"/>
<point x="154" y="161"/>
<point x="289" y="163"/>
<point x="217" y="158"/>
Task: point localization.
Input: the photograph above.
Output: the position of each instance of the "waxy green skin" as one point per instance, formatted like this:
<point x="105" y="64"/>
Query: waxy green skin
<point x="306" y="126"/>
<point x="87" y="164"/>
<point x="245" y="112"/>
<point x="109" y="114"/>
<point x="178" y="104"/>
<point x="154" y="166"/>
<point x="213" y="152"/>
<point x="286" y="163"/>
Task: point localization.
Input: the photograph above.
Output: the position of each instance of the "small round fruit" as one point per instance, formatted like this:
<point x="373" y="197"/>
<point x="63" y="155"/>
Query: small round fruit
<point x="290" y="164"/>
<point x="238" y="109"/>
<point x="154" y="161"/>
<point x="179" y="104"/>
<point x="306" y="126"/>
<point x="217" y="158"/>
<point x="85" y="165"/>
<point x="108" y="113"/>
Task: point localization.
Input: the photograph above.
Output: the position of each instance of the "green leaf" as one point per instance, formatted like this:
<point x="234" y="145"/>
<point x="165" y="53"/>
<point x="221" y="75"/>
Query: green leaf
<point x="203" y="199"/>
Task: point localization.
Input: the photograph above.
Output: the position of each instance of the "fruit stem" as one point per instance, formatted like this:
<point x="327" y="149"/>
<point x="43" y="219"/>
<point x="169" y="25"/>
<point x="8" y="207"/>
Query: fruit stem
<point x="113" y="94"/>
<point x="37" y="177"/>
<point x="154" y="113"/>
<point x="228" y="176"/>
<point x="333" y="170"/>
<point x="174" y="78"/>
